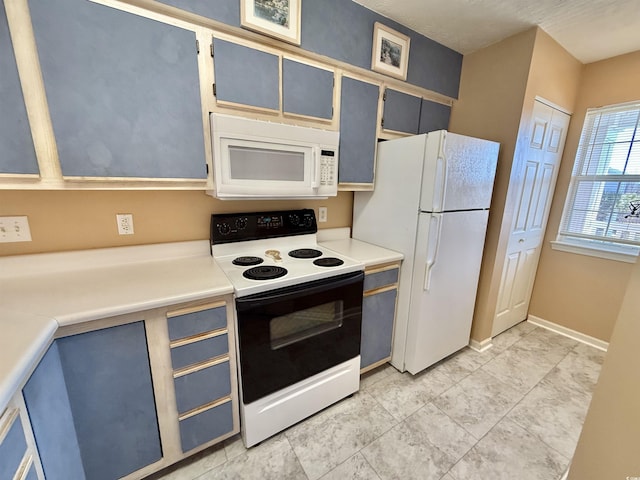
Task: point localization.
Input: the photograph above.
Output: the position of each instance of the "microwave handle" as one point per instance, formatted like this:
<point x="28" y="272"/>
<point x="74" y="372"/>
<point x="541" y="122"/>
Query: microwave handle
<point x="315" y="180"/>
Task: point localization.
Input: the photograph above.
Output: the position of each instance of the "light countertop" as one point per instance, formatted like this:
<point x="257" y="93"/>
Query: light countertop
<point x="39" y="293"/>
<point x="364" y="252"/>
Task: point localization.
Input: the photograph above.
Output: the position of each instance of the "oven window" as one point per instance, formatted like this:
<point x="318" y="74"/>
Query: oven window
<point x="265" y="164"/>
<point x="302" y="324"/>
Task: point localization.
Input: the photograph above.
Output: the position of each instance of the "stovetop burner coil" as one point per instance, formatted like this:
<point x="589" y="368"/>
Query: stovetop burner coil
<point x="328" y="262"/>
<point x="264" y="272"/>
<point x="247" y="261"/>
<point x="305" y="253"/>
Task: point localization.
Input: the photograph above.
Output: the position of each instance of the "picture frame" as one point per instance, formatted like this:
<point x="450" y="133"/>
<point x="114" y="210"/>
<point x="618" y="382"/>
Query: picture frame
<point x="276" y="18"/>
<point x="390" y="51"/>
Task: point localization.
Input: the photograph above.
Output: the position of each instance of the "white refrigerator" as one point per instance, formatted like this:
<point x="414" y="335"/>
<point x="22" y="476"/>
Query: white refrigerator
<point x="431" y="203"/>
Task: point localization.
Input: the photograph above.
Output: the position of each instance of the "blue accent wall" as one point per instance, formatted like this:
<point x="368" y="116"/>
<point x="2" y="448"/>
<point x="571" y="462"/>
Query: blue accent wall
<point x="343" y="30"/>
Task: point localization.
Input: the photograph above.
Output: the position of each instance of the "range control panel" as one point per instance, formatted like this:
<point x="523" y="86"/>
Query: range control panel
<point x="240" y="227"/>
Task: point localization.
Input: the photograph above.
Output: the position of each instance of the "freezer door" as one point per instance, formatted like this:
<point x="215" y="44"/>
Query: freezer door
<point x="458" y="172"/>
<point x="444" y="285"/>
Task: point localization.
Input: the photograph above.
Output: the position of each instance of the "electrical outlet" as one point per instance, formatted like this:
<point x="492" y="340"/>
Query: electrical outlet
<point x="322" y="214"/>
<point x="125" y="223"/>
<point x="14" y="229"/>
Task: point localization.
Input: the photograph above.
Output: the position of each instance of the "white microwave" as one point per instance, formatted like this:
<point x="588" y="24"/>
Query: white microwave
<point x="259" y="159"/>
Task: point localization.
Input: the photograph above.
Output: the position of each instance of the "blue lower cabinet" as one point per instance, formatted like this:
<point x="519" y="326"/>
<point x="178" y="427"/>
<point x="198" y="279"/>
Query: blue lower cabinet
<point x="47" y="401"/>
<point x="199" y="351"/>
<point x="378" y="315"/>
<point x="32" y="475"/>
<point x="206" y="426"/>
<point x="12" y="449"/>
<point x="204" y="386"/>
<point x="111" y="396"/>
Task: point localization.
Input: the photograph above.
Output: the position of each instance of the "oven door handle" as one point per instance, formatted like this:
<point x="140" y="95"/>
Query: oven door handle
<point x="259" y="299"/>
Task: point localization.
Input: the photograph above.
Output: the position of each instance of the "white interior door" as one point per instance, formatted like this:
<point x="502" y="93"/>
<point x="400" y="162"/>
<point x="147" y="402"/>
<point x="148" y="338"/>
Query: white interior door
<point x="542" y="161"/>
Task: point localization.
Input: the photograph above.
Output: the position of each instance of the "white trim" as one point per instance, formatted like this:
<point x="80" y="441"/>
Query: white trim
<point x="480" y="346"/>
<point x="605" y="251"/>
<point x="555" y="106"/>
<point x="567" y="332"/>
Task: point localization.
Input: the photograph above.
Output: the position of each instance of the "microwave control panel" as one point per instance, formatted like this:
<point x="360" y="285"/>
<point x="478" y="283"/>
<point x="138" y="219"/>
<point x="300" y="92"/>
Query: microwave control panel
<point x="328" y="167"/>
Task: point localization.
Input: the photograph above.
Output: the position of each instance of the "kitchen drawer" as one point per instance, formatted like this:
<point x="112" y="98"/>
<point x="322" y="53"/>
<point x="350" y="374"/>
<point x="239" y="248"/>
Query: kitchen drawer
<point x="195" y="323"/>
<point x="202" y="386"/>
<point x="206" y="425"/>
<point x="380" y="279"/>
<point x="199" y="351"/>
<point x="13" y="444"/>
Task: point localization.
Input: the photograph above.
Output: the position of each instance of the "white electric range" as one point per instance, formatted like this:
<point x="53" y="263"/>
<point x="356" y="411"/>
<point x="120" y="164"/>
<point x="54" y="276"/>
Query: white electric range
<point x="298" y="317"/>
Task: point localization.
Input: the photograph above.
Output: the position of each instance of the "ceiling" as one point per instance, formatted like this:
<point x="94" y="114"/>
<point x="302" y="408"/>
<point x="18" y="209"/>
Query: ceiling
<point x="590" y="30"/>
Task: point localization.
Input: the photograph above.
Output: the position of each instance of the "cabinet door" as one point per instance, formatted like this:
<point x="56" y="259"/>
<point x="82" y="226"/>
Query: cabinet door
<point x="307" y="90"/>
<point x="16" y="146"/>
<point x="246" y="76"/>
<point x="111" y="396"/>
<point x="433" y="116"/>
<point x="123" y="92"/>
<point x="401" y="112"/>
<point x="13" y="443"/>
<point x="358" y="124"/>
<point x="378" y="314"/>
<point x="47" y="401"/>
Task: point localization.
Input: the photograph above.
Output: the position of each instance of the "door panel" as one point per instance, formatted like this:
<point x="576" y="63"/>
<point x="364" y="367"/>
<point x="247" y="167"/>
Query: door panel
<point x="542" y="161"/>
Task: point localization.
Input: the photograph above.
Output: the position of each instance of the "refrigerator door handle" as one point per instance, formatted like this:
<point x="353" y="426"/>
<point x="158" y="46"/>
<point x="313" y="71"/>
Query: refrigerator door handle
<point x="432" y="248"/>
<point x="440" y="182"/>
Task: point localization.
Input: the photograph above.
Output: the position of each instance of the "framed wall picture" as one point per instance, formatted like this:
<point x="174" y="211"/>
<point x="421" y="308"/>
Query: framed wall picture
<point x="390" y="52"/>
<point x="277" y="18"/>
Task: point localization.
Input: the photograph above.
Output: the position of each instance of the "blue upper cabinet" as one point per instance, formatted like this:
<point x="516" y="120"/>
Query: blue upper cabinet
<point x="225" y="11"/>
<point x="433" y="116"/>
<point x="307" y="90"/>
<point x="17" y="154"/>
<point x="401" y="112"/>
<point x="358" y="127"/>
<point x="123" y="92"/>
<point x="246" y="76"/>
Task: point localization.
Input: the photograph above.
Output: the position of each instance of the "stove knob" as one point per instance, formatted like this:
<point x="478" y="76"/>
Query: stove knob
<point x="308" y="221"/>
<point x="241" y="223"/>
<point x="294" y="219"/>
<point x="224" y="228"/>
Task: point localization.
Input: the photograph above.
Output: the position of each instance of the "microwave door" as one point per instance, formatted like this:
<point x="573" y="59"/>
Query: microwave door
<point x="261" y="168"/>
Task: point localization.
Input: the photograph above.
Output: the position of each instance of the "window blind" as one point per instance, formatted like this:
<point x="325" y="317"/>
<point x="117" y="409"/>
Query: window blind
<point x="603" y="201"/>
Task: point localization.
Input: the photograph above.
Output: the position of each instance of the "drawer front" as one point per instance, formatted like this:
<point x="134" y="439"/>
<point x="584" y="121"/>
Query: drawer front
<point x="196" y="323"/>
<point x="12" y="448"/>
<point x="380" y="279"/>
<point x="204" y="386"/>
<point x="206" y="426"/>
<point x="199" y="351"/>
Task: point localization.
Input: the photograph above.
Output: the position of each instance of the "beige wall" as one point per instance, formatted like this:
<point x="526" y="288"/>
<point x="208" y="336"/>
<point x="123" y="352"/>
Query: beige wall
<point x="608" y="444"/>
<point x="579" y="292"/>
<point x="499" y="85"/>
<point x="74" y="220"/>
<point x="492" y="89"/>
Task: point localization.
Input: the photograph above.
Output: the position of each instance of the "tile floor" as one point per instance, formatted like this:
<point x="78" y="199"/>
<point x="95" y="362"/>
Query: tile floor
<point x="515" y="411"/>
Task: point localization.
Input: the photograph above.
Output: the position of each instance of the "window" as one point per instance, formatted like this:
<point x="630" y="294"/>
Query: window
<point x="602" y="211"/>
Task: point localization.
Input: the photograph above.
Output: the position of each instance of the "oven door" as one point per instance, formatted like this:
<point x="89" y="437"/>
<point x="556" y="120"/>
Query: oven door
<point x="290" y="334"/>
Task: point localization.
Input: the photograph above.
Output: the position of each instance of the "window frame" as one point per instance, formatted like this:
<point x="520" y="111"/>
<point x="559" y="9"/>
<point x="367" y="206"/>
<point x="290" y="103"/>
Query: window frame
<point x="604" y="248"/>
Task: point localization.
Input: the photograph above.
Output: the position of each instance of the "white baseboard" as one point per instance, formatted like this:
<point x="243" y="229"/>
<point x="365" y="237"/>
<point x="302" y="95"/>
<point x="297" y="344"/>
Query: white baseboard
<point x="567" y="332"/>
<point x="480" y="346"/>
